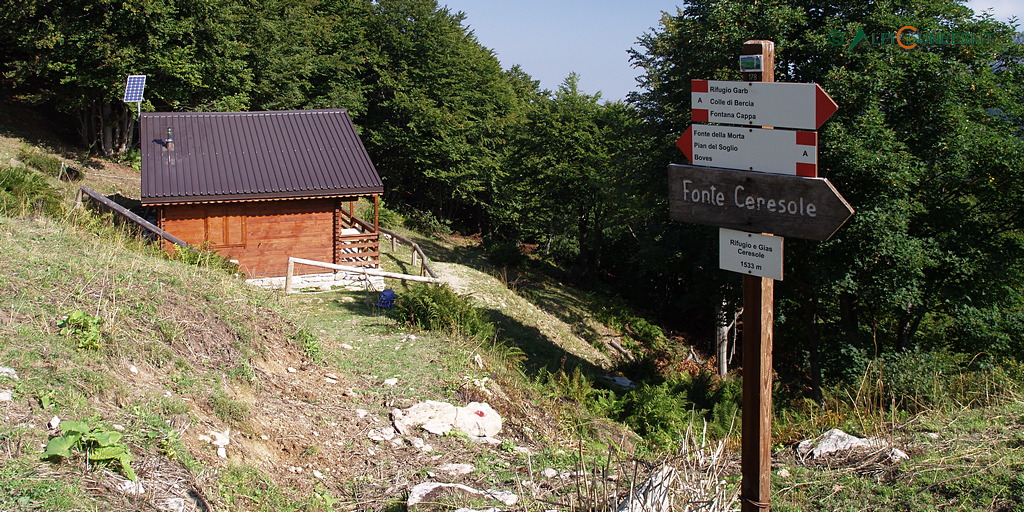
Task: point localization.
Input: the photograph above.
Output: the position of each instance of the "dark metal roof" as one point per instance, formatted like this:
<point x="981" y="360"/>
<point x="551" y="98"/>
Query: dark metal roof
<point x="231" y="156"/>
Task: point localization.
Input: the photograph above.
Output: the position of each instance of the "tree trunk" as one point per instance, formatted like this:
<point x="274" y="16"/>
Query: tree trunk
<point x="722" y="337"/>
<point x="810" y="307"/>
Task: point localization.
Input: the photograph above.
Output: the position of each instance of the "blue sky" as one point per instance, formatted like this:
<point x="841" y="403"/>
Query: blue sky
<point x="551" y="38"/>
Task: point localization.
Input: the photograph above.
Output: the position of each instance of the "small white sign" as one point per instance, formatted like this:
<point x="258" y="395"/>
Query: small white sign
<point x="750" y="253"/>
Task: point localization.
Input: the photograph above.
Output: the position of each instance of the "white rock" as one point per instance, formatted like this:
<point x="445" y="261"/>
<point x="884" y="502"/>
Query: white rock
<point x="291" y="370"/>
<point x="54" y="423"/>
<point x="456" y="468"/>
<point x="420" y="444"/>
<point x="172" y="504"/>
<point x="438" y="428"/>
<point x="133" y="369"/>
<point x="391" y="382"/>
<point x="346" y="346"/>
<point x="931" y="435"/>
<point x="478" y="420"/>
<point x="486" y="440"/>
<point x="381" y="434"/>
<point x="362" y="413"/>
<point x="8" y="372"/>
<point x="220" y="438"/>
<point x="549" y="473"/>
<point x="132" y="488"/>
<point x="6" y="395"/>
<point x="118" y="427"/>
<point x="330" y="380"/>
<point x="318" y="474"/>
<point x="836" y="440"/>
<point x="222" y="452"/>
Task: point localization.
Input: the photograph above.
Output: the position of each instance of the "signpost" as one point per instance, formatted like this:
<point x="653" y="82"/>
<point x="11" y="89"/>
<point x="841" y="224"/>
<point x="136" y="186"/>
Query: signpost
<point x="778" y="104"/>
<point x="791" y="206"/>
<point x="784" y="198"/>
<point x="752" y="149"/>
<point x="750" y="253"/>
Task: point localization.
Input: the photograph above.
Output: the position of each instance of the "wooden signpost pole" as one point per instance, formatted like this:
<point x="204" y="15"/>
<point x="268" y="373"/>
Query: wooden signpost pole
<point x="758" y="326"/>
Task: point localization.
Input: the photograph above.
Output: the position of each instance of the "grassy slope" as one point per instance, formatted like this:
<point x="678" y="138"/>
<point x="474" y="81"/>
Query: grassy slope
<point x="210" y="353"/>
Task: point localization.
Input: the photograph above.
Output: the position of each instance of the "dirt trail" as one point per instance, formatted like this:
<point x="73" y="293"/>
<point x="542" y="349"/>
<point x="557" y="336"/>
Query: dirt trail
<point x="491" y="293"/>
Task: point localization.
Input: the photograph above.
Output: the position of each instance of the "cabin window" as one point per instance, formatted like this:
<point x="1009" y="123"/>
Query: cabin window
<point x="225" y="226"/>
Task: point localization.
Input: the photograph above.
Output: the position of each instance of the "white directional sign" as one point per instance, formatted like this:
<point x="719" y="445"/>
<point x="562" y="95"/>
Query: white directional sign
<point x="752" y="149"/>
<point x="750" y="253"/>
<point x="778" y="104"/>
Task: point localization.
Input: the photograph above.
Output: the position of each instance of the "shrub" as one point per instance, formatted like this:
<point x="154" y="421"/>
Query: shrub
<point x="504" y="253"/>
<point x="656" y="413"/>
<point x="916" y="380"/>
<point x="439" y="308"/>
<point x="24" y="191"/>
<point x="427" y="222"/>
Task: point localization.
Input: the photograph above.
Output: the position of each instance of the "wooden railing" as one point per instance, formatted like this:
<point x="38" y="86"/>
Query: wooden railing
<point x="417" y="252"/>
<point x="359" y="250"/>
<point x="348" y="268"/>
<point x="126" y="215"/>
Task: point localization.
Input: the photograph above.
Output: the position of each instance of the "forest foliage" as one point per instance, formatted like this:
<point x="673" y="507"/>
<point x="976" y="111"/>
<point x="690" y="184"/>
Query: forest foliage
<point x="927" y="146"/>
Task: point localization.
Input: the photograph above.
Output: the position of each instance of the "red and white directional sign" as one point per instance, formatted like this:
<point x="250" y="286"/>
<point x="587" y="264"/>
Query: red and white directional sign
<point x="752" y="149"/>
<point x="778" y="104"/>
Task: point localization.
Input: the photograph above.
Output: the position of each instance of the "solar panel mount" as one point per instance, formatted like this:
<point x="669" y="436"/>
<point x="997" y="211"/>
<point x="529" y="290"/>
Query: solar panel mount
<point x="133" y="88"/>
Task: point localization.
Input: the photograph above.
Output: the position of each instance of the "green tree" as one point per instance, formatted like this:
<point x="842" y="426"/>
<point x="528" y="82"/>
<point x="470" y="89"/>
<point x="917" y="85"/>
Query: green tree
<point x="436" y="108"/>
<point x="926" y="146"/>
<point x="75" y="54"/>
<point x="308" y="53"/>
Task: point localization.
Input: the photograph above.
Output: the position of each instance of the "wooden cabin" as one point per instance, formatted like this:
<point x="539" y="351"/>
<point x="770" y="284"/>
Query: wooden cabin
<point x="259" y="187"/>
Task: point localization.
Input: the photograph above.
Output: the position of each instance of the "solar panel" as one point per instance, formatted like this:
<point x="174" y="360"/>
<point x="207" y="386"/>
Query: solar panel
<point x="133" y="89"/>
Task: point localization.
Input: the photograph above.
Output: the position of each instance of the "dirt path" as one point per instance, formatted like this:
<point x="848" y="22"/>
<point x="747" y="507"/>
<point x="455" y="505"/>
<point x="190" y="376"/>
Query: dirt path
<point x="492" y="294"/>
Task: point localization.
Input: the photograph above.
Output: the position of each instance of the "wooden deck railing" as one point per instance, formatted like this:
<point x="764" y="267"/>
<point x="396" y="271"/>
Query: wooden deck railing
<point x="417" y="252"/>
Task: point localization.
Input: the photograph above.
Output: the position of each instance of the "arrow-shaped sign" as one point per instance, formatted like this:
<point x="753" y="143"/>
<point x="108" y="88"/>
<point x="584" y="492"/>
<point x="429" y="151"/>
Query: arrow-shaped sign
<point x="778" y="104"/>
<point x="752" y="149"/>
<point x="759" y="202"/>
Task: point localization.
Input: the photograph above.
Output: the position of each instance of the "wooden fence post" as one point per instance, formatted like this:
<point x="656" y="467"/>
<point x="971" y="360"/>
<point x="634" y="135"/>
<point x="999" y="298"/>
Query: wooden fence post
<point x="288" y="276"/>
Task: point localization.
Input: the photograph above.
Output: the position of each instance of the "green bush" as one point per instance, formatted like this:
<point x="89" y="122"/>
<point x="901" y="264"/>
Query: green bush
<point x="504" y="253"/>
<point x="916" y="380"/>
<point x="427" y="222"/>
<point x="656" y="413"/>
<point x="388" y="218"/>
<point x="439" y="308"/>
<point x="24" y="191"/>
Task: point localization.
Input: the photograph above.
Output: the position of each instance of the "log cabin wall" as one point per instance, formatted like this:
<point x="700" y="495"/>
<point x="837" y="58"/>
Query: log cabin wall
<point x="259" y="235"/>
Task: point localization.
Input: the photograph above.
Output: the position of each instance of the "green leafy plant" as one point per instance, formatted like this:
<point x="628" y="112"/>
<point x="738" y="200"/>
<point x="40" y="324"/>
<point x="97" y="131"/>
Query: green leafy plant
<point x="84" y="328"/>
<point x="99" y="445"/>
<point x="310" y="344"/>
<point x="439" y="308"/>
